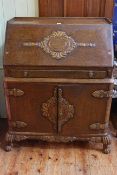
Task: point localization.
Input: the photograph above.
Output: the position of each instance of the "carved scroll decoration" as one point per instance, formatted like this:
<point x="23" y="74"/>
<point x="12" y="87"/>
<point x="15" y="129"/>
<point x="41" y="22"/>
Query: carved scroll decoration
<point x="18" y="124"/>
<point x="58" y="44"/>
<point x="13" y="136"/>
<point x="14" y="92"/>
<point x="104" y="94"/>
<point x="49" y="110"/>
<point x="65" y="110"/>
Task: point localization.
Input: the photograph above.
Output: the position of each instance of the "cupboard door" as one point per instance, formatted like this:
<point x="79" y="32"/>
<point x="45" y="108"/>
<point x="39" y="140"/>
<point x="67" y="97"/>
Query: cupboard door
<point x="32" y="107"/>
<point x="79" y="110"/>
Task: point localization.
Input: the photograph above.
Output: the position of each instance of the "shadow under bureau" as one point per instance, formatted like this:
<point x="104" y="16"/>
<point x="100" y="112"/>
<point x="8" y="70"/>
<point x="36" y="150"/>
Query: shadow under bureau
<point x="58" y="79"/>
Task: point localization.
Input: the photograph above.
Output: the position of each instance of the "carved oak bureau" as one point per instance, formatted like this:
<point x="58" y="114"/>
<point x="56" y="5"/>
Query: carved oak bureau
<point x="58" y="79"/>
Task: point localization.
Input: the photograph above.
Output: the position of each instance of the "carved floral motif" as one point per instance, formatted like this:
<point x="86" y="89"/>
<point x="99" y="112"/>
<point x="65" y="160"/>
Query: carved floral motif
<point x="58" y="44"/>
<point x="49" y="109"/>
<point x="65" y="110"/>
<point x="11" y="137"/>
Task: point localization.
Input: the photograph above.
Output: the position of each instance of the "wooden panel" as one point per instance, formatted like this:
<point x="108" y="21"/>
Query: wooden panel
<point x="97" y="8"/>
<point x="94" y="7"/>
<point x="109" y="8"/>
<point x="79" y="56"/>
<point x="74" y="8"/>
<point x="51" y="8"/>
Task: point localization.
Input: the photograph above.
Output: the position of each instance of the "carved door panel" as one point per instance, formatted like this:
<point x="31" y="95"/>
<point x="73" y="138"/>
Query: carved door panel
<point x="83" y="109"/>
<point x="32" y="107"/>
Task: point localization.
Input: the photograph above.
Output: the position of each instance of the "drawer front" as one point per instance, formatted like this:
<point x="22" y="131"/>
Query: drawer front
<point x="32" y="107"/>
<point x="84" y="74"/>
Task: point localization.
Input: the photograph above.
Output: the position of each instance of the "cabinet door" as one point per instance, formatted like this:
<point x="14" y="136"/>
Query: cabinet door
<point x="79" y="110"/>
<point x="32" y="107"/>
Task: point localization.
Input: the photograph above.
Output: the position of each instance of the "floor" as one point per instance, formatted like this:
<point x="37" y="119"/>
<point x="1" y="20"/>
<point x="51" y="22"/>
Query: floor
<point x="40" y="158"/>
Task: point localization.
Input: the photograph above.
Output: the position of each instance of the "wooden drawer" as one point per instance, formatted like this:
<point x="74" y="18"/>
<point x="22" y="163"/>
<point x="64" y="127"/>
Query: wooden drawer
<point x="83" y="74"/>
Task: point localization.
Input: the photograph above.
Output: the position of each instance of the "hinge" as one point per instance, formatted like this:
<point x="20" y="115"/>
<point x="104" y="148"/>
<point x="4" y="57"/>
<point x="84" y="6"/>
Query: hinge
<point x="98" y="126"/>
<point x="104" y="94"/>
<point x="14" y="92"/>
<point x="18" y="124"/>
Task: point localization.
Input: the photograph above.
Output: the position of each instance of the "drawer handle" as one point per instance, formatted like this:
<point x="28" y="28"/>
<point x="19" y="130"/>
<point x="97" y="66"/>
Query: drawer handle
<point x="105" y="94"/>
<point x="91" y="74"/>
<point x="25" y="73"/>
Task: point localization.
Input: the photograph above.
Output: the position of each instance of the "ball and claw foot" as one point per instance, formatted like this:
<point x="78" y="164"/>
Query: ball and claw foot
<point x="106" y="149"/>
<point x="8" y="148"/>
<point x="106" y="144"/>
<point x="9" y="142"/>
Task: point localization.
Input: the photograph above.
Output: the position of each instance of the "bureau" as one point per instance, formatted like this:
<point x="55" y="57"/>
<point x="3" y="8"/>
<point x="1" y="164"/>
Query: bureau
<point x="58" y="79"/>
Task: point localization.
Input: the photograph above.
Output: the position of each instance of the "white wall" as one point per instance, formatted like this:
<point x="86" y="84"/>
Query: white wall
<point x="8" y="10"/>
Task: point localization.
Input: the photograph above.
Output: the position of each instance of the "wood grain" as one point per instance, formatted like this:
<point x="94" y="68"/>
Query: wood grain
<point x="51" y="8"/>
<point x="41" y="158"/>
<point x="97" y="8"/>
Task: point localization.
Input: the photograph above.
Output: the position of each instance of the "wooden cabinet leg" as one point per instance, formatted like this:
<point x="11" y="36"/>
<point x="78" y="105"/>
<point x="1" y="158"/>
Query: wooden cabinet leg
<point x="9" y="142"/>
<point x="106" y="144"/>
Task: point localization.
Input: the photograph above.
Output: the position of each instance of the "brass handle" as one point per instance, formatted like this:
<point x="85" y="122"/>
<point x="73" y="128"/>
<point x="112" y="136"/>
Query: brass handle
<point x="14" y="92"/>
<point x="91" y="74"/>
<point x="26" y="73"/>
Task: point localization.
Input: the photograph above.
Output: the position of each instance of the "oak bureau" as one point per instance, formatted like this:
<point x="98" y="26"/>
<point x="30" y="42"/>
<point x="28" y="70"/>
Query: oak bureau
<point x="59" y="79"/>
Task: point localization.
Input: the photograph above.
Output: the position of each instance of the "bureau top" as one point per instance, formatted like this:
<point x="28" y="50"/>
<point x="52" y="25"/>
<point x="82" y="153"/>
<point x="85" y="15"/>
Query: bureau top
<point x="62" y="20"/>
<point x="79" y="42"/>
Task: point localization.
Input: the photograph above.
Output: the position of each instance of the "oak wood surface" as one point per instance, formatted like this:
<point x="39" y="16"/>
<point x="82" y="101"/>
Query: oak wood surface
<point x="35" y="94"/>
<point x="85" y="30"/>
<point x="41" y="158"/>
<point x="61" y="107"/>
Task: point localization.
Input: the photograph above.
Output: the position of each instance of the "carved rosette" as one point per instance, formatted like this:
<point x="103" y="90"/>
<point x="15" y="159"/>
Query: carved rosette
<point x="58" y="44"/>
<point x="49" y="110"/>
<point x="65" y="110"/>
